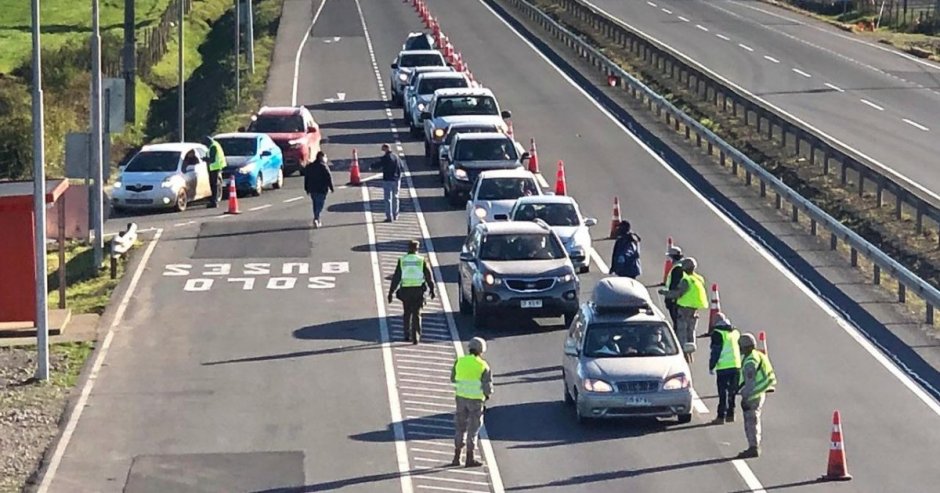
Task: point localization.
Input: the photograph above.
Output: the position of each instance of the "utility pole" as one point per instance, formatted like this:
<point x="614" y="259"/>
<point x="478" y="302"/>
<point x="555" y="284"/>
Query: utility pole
<point x="97" y="135"/>
<point x="130" y="62"/>
<point x="238" y="52"/>
<point x="251" y="35"/>
<point x="182" y="86"/>
<point x="39" y="204"/>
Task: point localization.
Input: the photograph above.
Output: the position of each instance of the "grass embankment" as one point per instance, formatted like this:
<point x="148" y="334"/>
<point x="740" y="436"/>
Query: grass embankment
<point x="87" y="288"/>
<point x="877" y="224"/>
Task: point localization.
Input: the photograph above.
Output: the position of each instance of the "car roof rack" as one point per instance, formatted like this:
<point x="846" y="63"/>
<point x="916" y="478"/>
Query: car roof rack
<point x="621" y="295"/>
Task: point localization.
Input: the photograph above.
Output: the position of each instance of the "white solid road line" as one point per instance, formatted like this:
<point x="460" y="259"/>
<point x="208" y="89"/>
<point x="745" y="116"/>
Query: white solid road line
<point x="772" y="59"/>
<point x="748" y="476"/>
<point x="300" y="49"/>
<point x="722" y="36"/>
<point x="873" y="105"/>
<point x="915" y="124"/>
<point x="746" y="47"/>
<point x="683" y="19"/>
<point x="703" y="28"/>
<point x="804" y="74"/>
<point x="834" y="87"/>
<point x="82" y="402"/>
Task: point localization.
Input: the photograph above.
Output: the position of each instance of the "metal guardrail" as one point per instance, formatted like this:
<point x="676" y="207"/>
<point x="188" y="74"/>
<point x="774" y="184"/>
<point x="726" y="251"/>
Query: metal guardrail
<point x="121" y="244"/>
<point x="882" y="263"/>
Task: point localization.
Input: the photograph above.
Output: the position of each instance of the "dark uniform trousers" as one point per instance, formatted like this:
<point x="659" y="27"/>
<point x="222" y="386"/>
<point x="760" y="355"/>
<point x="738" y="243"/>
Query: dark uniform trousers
<point x="214" y="186"/>
<point x="412" y="299"/>
<point x="727" y="388"/>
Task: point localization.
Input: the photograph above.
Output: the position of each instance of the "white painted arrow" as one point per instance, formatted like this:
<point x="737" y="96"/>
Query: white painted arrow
<point x="340" y="96"/>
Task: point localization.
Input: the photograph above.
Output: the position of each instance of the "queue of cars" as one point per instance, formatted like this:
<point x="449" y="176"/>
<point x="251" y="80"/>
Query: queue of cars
<point x="525" y="248"/>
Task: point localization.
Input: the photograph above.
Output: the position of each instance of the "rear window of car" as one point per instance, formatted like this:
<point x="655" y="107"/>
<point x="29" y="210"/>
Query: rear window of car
<point x="238" y="146"/>
<point x="466" y="105"/>
<point x="485" y="150"/>
<point x="154" y="162"/>
<point x="552" y="214"/>
<point x="415" y="60"/>
<point x="626" y="340"/>
<point x="506" y="188"/>
<point x="451" y="131"/>
<point x="273" y="124"/>
<point x="528" y="246"/>
<point x="428" y="86"/>
<point x="420" y="42"/>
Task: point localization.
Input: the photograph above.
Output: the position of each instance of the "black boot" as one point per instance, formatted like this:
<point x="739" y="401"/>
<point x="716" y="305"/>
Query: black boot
<point x="471" y="461"/>
<point x="456" y="461"/>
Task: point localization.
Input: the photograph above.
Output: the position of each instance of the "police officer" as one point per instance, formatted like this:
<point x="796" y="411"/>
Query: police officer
<point x="725" y="360"/>
<point x="216" y="163"/>
<point x="672" y="280"/>
<point x="757" y="378"/>
<point x="690" y="296"/>
<point x="414" y="276"/>
<point x="473" y="385"/>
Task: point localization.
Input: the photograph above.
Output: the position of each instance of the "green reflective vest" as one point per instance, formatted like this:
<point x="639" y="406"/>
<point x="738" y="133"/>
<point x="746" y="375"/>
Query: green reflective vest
<point x="695" y="296"/>
<point x="468" y="375"/>
<point x="412" y="270"/>
<point x="765" y="379"/>
<point x="219" y="162"/>
<point x="730" y="356"/>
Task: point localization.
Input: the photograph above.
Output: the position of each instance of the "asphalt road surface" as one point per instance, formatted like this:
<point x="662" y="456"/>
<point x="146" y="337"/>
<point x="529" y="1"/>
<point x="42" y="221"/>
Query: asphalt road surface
<point x="882" y="102"/>
<point x="258" y="354"/>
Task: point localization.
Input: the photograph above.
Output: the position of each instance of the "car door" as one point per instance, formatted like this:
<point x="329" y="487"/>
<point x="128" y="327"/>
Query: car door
<point x="277" y="157"/>
<point x="574" y="340"/>
<point x="190" y="166"/>
<point x="468" y="264"/>
<point x="201" y="169"/>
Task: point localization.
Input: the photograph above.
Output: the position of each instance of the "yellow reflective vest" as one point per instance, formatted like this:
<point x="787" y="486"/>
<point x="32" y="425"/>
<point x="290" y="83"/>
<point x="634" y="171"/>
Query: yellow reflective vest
<point x="468" y="377"/>
<point x="764" y="377"/>
<point x="412" y="270"/>
<point x="218" y="164"/>
<point x="695" y="296"/>
<point x="730" y="356"/>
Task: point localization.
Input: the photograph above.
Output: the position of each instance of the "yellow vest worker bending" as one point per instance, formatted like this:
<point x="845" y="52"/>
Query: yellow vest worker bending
<point x="473" y="385"/>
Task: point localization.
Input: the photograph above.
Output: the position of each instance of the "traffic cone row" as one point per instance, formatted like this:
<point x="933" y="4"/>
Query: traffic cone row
<point x="615" y="219"/>
<point x="837" y="469"/>
<point x="561" y="187"/>
<point x="354" y="177"/>
<point x="232" y="197"/>
<point x="667" y="265"/>
<point x="714" y="309"/>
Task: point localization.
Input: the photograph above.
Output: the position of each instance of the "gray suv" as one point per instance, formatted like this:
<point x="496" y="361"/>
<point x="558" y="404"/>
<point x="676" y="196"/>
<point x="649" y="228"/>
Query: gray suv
<point x="470" y="154"/>
<point x="516" y="268"/>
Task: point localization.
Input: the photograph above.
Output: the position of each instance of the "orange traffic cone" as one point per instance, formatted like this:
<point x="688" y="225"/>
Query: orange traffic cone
<point x="714" y="309"/>
<point x="458" y="62"/>
<point x="667" y="265"/>
<point x="837" y="470"/>
<point x="354" y="178"/>
<point x="615" y="219"/>
<point x="429" y="21"/>
<point x="560" y="184"/>
<point x="417" y="4"/>
<point x="762" y="342"/>
<point x="533" y="157"/>
<point x="232" y="198"/>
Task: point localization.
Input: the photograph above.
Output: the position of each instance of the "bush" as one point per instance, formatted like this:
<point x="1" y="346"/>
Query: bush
<point x="16" y="143"/>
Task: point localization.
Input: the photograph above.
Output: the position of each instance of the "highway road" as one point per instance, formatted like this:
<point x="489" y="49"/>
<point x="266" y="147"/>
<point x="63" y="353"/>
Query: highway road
<point x="251" y="353"/>
<point x="882" y="102"/>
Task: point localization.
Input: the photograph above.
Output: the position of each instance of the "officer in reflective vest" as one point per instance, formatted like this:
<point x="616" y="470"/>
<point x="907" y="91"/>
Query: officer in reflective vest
<point x="473" y="385"/>
<point x="725" y="360"/>
<point x="216" y="163"/>
<point x="673" y="279"/>
<point x="690" y="297"/>
<point x="414" y="276"/>
<point x="757" y="378"/>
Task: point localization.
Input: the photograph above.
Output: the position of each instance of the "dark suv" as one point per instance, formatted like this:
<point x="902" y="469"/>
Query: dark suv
<point x="516" y="268"/>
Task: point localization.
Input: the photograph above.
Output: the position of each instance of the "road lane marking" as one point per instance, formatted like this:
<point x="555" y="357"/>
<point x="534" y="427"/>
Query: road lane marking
<point x="722" y="36"/>
<point x="258" y="208"/>
<point x="541" y="179"/>
<point x="667" y="11"/>
<point x="295" y="199"/>
<point x="748" y="476"/>
<point x="82" y="401"/>
<point x="772" y="59"/>
<point x="683" y="19"/>
<point x="746" y="47"/>
<point x="300" y="49"/>
<point x="441" y="488"/>
<point x="915" y="124"/>
<point x="432" y="427"/>
<point x="651" y="4"/>
<point x="834" y="87"/>
<point x="703" y="28"/>
<point x="873" y="105"/>
<point x="433" y="420"/>
<point x="804" y="74"/>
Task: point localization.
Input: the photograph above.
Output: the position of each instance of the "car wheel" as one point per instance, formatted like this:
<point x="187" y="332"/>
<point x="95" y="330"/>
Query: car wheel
<point x="465" y="306"/>
<point x="685" y="418"/>
<point x="569" y="317"/>
<point x="564" y="381"/>
<point x="479" y="316"/>
<point x="581" y="419"/>
<point x="182" y="200"/>
<point x="279" y="183"/>
<point x="259" y="185"/>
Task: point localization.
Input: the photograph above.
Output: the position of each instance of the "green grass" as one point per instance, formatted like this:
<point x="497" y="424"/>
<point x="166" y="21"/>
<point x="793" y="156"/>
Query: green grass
<point x="73" y="356"/>
<point x="62" y="21"/>
<point x="88" y="289"/>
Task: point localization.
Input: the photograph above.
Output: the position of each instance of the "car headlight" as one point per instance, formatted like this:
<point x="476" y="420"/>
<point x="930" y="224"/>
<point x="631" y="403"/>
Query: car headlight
<point x="172" y="181"/>
<point x="420" y="107"/>
<point x="592" y="385"/>
<point x="117" y="184"/>
<point x="566" y="278"/>
<point x="492" y="280"/>
<point x="676" y="382"/>
<point x="479" y="212"/>
<point x="461" y="175"/>
<point x="248" y="168"/>
<point x="438" y="133"/>
<point x="403" y="77"/>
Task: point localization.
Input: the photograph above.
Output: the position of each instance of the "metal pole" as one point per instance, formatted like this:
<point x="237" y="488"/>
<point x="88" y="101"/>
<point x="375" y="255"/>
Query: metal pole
<point x="130" y="62"/>
<point x="251" y="36"/>
<point x="238" y="32"/>
<point x="182" y="81"/>
<point x="97" y="135"/>
<point x="39" y="204"/>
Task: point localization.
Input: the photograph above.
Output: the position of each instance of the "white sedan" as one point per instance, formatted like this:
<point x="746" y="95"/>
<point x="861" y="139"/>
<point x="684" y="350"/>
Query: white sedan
<point x="563" y="215"/>
<point x="494" y="193"/>
<point x="167" y="175"/>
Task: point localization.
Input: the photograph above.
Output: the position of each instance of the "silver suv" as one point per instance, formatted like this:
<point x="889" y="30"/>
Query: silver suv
<point x="403" y="65"/>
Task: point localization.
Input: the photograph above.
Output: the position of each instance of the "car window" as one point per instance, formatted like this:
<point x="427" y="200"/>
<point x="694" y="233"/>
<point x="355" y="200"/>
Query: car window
<point x="154" y="162"/>
<point x="626" y="340"/>
<point x="416" y="60"/>
<point x="486" y="150"/>
<point x="552" y="214"/>
<point x="421" y="42"/>
<point x="452" y="130"/>
<point x="466" y="105"/>
<point x="528" y="246"/>
<point x="428" y="86"/>
<point x="237" y="146"/>
<point x="506" y="188"/>
<point x="278" y="124"/>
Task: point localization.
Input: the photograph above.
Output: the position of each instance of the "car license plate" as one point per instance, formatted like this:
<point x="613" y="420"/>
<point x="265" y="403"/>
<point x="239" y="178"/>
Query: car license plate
<point x="637" y="401"/>
<point x="531" y="303"/>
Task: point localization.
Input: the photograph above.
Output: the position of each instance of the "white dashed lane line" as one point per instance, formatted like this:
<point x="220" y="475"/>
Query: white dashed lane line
<point x="834" y="87"/>
<point x="651" y="4"/>
<point x="258" y="208"/>
<point x="873" y="105"/>
<point x="683" y="19"/>
<point x="746" y="47"/>
<point x="722" y="36"/>
<point x="667" y="11"/>
<point x="804" y="74"/>
<point x="915" y="125"/>
<point x="771" y="59"/>
<point x="295" y="199"/>
<point x="703" y="28"/>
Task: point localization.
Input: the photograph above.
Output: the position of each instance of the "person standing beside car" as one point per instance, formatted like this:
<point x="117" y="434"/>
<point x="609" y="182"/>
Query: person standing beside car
<point x="625" y="261"/>
<point x="690" y="297"/>
<point x="317" y="182"/>
<point x="392" y="168"/>
<point x="725" y="360"/>
<point x="216" y="163"/>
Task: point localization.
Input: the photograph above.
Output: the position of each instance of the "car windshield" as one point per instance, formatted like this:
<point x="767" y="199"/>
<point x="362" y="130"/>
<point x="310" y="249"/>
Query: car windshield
<point x="235" y="146"/>
<point x="466" y="105"/>
<point x="506" y="188"/>
<point x="154" y="161"/>
<point x="529" y="246"/>
<point x="419" y="42"/>
<point x="428" y="86"/>
<point x="429" y="60"/>
<point x="277" y="124"/>
<point x="485" y="150"/>
<point x="628" y="340"/>
<point x="469" y="130"/>
<point x="552" y="214"/>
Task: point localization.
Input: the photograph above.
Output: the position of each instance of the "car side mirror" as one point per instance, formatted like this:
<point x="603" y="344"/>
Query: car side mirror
<point x="265" y="153"/>
<point x="121" y="168"/>
<point x="525" y="156"/>
<point x="425" y="115"/>
<point x="571" y="347"/>
<point x="394" y="65"/>
<point x="506" y="114"/>
<point x="590" y="222"/>
<point x="241" y="129"/>
<point x="466" y="257"/>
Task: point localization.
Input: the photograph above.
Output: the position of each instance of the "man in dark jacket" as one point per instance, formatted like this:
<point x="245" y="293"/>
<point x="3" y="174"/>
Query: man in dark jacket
<point x="725" y="360"/>
<point x="625" y="261"/>
<point x="673" y="279"/>
<point x="392" y="169"/>
<point x="317" y="182"/>
<point x="414" y="275"/>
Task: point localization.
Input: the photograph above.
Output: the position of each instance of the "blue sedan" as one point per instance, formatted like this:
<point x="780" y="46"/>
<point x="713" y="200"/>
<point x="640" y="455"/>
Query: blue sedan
<point x="253" y="159"/>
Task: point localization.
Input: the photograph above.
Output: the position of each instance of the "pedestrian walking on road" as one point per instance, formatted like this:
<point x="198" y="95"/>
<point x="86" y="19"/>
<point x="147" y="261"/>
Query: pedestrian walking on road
<point x="317" y="182"/>
<point x="625" y="258"/>
<point x="690" y="297"/>
<point x="473" y="386"/>
<point x="757" y="378"/>
<point x="392" y="169"/>
<point x="725" y="360"/>
<point x="215" y="162"/>
<point x="672" y="281"/>
<point x="414" y="276"/>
